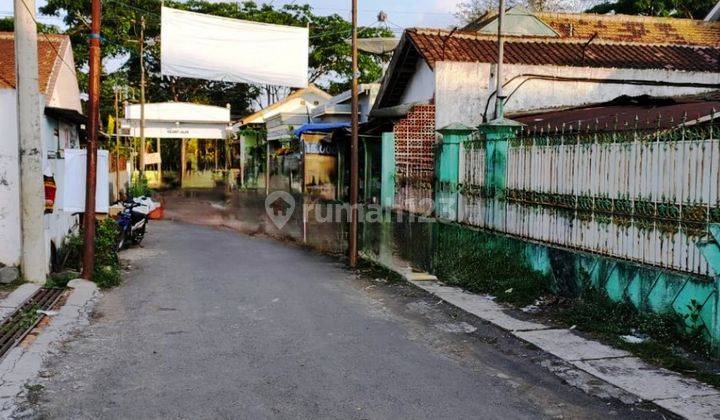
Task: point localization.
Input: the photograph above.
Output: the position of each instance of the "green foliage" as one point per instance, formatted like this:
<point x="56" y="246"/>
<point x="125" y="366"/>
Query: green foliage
<point x="7" y="24"/>
<point x="107" y="265"/>
<point x="480" y="263"/>
<point x="691" y="9"/>
<point x="329" y="53"/>
<point x="139" y="187"/>
<point x="667" y="341"/>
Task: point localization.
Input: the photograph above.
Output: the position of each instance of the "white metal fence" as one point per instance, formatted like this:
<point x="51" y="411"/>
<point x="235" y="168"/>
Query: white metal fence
<point x="645" y="196"/>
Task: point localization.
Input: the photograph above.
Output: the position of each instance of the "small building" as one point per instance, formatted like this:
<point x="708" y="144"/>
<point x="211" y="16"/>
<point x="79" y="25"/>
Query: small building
<point x="62" y="126"/>
<point x="552" y="61"/>
<point x="338" y="108"/>
<point x="198" y="134"/>
<point x="270" y="131"/>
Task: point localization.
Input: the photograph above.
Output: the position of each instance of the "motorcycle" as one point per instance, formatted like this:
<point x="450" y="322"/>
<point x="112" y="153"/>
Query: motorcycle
<point x="133" y="222"/>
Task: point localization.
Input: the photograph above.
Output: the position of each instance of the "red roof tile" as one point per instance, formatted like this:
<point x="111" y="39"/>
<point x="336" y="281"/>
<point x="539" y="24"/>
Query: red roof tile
<point x="434" y="45"/>
<point x="47" y="59"/>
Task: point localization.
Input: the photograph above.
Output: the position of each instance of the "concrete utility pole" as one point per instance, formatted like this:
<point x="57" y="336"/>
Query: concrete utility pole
<point x="92" y="133"/>
<point x="354" y="182"/>
<point x="32" y="191"/>
<point x="499" y="95"/>
<point x="142" y="95"/>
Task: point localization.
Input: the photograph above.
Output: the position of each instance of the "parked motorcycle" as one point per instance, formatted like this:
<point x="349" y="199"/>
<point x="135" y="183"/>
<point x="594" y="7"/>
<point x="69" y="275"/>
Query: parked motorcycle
<point x="133" y="222"/>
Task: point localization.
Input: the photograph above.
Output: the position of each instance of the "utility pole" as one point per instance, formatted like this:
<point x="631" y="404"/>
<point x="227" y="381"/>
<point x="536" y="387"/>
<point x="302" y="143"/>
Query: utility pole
<point x="92" y="132"/>
<point x="117" y="143"/>
<point x="32" y="191"/>
<point x="354" y="182"/>
<point x="142" y="95"/>
<point x="499" y="95"/>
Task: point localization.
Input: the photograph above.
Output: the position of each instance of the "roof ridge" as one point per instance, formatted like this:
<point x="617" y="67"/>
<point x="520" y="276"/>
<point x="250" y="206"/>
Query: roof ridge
<point x="550" y="40"/>
<point x="628" y="18"/>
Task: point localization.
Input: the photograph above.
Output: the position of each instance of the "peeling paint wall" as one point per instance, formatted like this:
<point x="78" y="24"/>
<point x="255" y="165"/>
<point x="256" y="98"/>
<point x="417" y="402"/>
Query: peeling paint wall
<point x="9" y="180"/>
<point x="462" y="89"/>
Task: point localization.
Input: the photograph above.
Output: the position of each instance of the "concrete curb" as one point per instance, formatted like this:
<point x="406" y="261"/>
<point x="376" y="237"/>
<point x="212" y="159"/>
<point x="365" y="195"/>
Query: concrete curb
<point x="22" y="365"/>
<point x="684" y="397"/>
<point x="17" y="298"/>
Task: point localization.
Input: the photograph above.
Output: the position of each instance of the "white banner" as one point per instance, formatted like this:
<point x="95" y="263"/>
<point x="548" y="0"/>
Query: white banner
<point x="73" y="194"/>
<point x="230" y="50"/>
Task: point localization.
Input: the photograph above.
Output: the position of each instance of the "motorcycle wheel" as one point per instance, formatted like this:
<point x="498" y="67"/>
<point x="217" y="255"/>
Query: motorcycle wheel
<point x="121" y="240"/>
<point x="139" y="235"/>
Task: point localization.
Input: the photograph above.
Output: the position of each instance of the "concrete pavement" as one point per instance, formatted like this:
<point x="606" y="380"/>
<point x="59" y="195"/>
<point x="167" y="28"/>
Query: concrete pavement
<point x="213" y="324"/>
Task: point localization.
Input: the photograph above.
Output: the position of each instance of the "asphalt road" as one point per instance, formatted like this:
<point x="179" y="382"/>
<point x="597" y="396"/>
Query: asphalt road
<point x="213" y="324"/>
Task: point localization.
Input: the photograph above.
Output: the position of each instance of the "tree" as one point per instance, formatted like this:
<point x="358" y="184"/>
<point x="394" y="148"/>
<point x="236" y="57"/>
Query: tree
<point x="691" y="9"/>
<point x="329" y="53"/>
<point x="8" y="25"/>
<point x="471" y="10"/>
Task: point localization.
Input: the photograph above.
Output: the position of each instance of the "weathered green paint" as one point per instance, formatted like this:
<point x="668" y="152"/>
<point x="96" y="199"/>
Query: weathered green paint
<point x="387" y="177"/>
<point x="498" y="134"/>
<point x="447" y="167"/>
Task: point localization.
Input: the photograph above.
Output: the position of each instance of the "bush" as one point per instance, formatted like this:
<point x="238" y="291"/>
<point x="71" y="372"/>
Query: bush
<point x="106" y="273"/>
<point x="139" y="187"/>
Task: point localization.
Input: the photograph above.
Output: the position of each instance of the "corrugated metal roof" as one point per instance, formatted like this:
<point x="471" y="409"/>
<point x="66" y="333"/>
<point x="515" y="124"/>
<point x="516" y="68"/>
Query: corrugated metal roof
<point x="643" y="112"/>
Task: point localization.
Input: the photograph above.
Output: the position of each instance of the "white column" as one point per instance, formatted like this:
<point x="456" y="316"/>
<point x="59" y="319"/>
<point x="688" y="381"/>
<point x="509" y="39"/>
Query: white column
<point x="34" y="263"/>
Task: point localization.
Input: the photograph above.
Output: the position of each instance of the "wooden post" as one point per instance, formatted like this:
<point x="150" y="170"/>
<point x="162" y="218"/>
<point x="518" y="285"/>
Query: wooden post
<point x="354" y="166"/>
<point x="92" y="131"/>
<point x="182" y="161"/>
<point x="159" y="165"/>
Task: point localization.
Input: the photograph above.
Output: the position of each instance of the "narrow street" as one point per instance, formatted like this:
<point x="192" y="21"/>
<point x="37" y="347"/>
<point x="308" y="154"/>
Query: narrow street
<point x="213" y="324"/>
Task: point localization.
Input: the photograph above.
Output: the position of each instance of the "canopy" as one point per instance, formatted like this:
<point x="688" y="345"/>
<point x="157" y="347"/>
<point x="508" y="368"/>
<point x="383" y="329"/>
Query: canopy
<point x="319" y="128"/>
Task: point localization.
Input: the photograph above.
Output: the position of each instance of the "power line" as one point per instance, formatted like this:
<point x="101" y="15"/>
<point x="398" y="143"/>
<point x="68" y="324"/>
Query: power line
<point x="47" y="38"/>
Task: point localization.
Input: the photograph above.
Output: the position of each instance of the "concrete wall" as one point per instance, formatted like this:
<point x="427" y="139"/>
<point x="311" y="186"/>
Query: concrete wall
<point x="58" y="224"/>
<point x="422" y="85"/>
<point x="9" y="180"/>
<point x="65" y="93"/>
<point x="462" y="89"/>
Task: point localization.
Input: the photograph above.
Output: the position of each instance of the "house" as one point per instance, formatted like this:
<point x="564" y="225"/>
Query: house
<point x="282" y="117"/>
<point x="338" y="108"/>
<point x="552" y="61"/>
<point x="61" y="129"/>
<point x="265" y="131"/>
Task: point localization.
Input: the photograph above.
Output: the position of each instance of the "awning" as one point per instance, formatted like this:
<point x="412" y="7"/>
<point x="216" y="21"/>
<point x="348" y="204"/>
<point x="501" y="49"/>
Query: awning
<point x="68" y="115"/>
<point x="319" y="128"/>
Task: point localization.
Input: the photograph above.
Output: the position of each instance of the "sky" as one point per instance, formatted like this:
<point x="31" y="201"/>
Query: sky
<point x="403" y="13"/>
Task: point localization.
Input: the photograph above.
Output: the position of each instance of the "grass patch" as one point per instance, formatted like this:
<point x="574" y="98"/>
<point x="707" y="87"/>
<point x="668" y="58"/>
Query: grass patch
<point x="669" y="342"/>
<point x="374" y="270"/>
<point x="481" y="264"/>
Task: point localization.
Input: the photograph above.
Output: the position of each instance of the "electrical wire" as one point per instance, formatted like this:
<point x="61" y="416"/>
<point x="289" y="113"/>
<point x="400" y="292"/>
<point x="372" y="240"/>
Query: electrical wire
<point x="47" y="38"/>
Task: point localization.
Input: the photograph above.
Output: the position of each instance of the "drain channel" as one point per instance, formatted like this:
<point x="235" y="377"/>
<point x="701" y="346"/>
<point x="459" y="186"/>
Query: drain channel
<point x="14" y="329"/>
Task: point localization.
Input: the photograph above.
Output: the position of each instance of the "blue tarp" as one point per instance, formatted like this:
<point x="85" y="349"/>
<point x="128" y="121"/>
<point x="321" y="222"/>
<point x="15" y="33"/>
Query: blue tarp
<point x="319" y="128"/>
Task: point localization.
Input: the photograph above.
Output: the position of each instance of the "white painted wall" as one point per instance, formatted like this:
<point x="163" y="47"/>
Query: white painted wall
<point x="58" y="224"/>
<point x="65" y="93"/>
<point x="422" y="85"/>
<point x="9" y="180"/>
<point x="462" y="89"/>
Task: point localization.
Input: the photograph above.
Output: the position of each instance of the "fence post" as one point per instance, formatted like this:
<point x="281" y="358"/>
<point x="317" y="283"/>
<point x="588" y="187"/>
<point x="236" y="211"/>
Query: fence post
<point x="387" y="168"/>
<point x="498" y="134"/>
<point x="447" y="175"/>
<point x="710" y="249"/>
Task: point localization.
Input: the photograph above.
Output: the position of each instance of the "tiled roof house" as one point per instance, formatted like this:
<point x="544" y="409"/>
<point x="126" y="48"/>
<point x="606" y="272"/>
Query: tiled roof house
<point x="579" y="59"/>
<point x="60" y="130"/>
